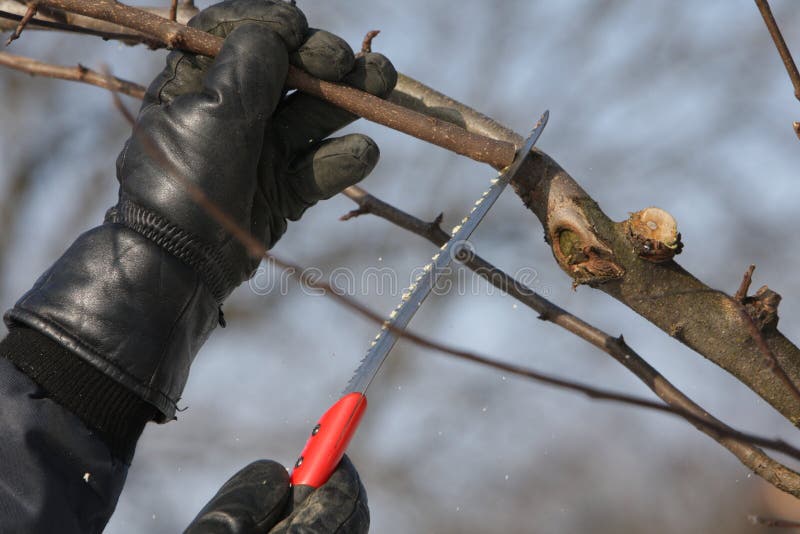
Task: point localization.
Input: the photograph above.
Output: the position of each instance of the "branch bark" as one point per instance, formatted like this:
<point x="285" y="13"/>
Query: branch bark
<point x="597" y="251"/>
<point x="78" y="73"/>
<point x="751" y="456"/>
<point x="184" y="12"/>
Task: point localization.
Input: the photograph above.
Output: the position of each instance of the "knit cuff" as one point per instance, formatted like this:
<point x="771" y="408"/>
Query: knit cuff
<point x="112" y="411"/>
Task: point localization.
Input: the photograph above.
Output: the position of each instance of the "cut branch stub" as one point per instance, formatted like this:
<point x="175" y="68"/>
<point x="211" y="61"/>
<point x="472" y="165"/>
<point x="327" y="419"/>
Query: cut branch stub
<point x="559" y="202"/>
<point x="595" y="250"/>
<point x="654" y="235"/>
<point x="763" y="308"/>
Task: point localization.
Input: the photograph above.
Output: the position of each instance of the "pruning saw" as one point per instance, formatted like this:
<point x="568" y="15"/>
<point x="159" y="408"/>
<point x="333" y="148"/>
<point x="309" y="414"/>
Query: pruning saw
<point x="332" y="433"/>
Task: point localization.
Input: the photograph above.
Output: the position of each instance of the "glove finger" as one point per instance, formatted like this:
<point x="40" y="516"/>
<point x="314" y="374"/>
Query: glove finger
<point x="332" y="166"/>
<point x="303" y="120"/>
<point x="246" y="80"/>
<point x="339" y="505"/>
<point x="252" y="501"/>
<point x="324" y="55"/>
<point x="184" y="71"/>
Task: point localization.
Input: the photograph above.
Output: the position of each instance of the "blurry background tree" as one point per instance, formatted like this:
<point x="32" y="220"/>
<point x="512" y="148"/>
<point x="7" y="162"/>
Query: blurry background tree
<point x="682" y="106"/>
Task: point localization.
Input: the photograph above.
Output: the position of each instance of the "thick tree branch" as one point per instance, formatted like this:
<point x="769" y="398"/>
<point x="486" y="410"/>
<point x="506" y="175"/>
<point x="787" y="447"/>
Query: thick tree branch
<point x="174" y="35"/>
<point x="706" y="320"/>
<point x="751" y="456"/>
<point x="604" y="254"/>
<point x="417" y="96"/>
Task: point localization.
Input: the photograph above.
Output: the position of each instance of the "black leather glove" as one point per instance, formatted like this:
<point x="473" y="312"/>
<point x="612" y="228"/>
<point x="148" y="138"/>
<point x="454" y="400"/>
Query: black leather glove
<point x="258" y="499"/>
<point x="135" y="298"/>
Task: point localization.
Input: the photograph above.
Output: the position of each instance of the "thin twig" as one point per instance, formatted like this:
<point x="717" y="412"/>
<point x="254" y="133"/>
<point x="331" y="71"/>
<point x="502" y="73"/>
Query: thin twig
<point x="780" y="44"/>
<point x="744" y="287"/>
<point x="37" y="23"/>
<point x="26" y="18"/>
<point x="124" y="111"/>
<point x="75" y="74"/>
<point x="366" y="44"/>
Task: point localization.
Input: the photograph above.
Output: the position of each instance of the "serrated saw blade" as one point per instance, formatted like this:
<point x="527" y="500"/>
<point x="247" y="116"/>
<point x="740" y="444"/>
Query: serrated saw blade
<point x="412" y="298"/>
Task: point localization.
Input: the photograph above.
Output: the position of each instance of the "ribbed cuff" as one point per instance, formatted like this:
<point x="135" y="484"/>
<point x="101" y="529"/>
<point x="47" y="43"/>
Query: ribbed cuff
<point x="112" y="411"/>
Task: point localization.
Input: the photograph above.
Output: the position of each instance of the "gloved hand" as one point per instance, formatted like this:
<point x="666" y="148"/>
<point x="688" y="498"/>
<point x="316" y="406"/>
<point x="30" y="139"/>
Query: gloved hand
<point x="258" y="499"/>
<point x="135" y="298"/>
<point x="222" y="126"/>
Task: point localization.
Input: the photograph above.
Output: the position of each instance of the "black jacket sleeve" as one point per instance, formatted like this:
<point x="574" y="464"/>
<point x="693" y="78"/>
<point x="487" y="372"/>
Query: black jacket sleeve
<point x="63" y="454"/>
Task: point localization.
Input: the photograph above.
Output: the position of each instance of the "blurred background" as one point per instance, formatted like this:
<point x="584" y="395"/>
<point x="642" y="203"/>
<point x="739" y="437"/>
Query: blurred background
<point x="683" y="105"/>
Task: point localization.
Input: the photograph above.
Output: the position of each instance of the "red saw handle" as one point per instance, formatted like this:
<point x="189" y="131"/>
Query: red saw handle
<point x="328" y="441"/>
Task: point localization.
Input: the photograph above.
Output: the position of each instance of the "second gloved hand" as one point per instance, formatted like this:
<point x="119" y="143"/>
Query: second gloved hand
<point x="258" y="500"/>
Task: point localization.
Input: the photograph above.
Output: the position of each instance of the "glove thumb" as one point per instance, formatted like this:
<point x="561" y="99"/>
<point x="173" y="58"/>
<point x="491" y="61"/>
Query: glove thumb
<point x="252" y="501"/>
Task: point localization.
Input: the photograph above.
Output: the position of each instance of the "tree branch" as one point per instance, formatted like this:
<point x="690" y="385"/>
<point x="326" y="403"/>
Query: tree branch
<point x="752" y="457"/>
<point x="173" y="11"/>
<point x="78" y="73"/>
<point x="783" y="50"/>
<point x="706" y="320"/>
<point x="174" y="35"/>
<point x="594" y="250"/>
<point x="26" y="18"/>
<point x="780" y="44"/>
<point x="67" y="21"/>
